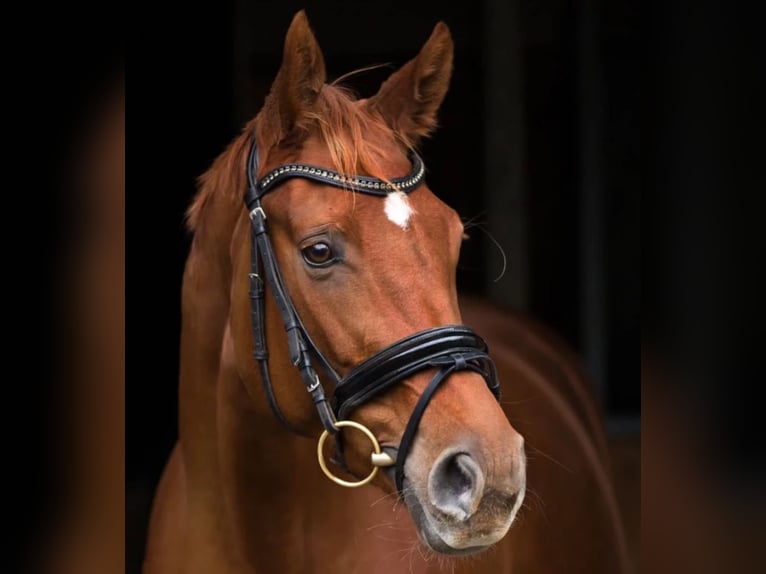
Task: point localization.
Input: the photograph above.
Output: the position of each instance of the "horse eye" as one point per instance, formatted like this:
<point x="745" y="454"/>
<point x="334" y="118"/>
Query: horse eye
<point x="318" y="255"/>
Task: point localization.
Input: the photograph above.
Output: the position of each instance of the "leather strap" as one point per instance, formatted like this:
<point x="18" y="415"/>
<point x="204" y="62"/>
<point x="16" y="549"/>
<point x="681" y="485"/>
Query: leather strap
<point x="260" y="351"/>
<point x="406" y="357"/>
<point x="299" y="343"/>
<point x="459" y="363"/>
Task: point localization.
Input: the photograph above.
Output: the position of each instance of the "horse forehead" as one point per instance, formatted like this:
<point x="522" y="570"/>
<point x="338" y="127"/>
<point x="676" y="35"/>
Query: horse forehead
<point x="309" y="205"/>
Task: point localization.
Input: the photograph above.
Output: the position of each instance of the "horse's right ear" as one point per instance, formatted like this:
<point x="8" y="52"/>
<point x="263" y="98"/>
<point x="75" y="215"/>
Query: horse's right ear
<point x="297" y="85"/>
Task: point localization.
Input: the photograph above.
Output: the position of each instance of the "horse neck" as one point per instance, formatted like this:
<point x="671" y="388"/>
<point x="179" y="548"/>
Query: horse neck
<point x="205" y="308"/>
<point x="221" y="423"/>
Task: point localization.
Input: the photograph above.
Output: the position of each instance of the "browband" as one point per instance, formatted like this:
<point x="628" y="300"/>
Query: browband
<point x="357" y="183"/>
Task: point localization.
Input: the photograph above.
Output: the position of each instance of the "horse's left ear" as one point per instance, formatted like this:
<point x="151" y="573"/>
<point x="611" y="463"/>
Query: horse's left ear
<point x="409" y="100"/>
<point x="297" y="85"/>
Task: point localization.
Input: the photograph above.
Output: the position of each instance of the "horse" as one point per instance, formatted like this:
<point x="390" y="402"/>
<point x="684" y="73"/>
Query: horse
<point x="466" y="435"/>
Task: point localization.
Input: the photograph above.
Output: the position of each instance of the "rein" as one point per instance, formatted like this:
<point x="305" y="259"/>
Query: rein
<point x="448" y="348"/>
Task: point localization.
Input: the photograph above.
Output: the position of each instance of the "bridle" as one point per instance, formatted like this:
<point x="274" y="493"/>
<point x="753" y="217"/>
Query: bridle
<point x="448" y="348"/>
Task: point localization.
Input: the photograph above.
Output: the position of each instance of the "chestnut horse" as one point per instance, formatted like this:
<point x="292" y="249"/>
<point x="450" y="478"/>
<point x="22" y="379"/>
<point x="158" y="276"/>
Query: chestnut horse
<point x="364" y="271"/>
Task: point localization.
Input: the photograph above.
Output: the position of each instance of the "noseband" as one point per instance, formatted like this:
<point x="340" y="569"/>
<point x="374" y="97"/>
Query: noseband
<point x="448" y="349"/>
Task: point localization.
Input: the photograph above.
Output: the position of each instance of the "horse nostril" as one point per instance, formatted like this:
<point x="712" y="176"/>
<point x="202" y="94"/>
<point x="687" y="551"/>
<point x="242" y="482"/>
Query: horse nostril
<point x="455" y="485"/>
<point x="459" y="473"/>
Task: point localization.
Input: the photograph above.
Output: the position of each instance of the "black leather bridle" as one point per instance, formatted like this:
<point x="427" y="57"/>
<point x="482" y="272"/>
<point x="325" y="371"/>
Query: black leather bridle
<point x="448" y="349"/>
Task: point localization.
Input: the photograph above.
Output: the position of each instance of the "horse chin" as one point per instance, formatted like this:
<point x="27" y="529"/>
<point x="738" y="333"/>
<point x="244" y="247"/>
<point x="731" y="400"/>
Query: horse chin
<point x="428" y="529"/>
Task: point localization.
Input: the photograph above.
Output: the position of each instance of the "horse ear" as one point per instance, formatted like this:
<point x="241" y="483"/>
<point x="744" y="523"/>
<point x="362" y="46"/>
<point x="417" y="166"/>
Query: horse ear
<point x="410" y="98"/>
<point x="297" y="85"/>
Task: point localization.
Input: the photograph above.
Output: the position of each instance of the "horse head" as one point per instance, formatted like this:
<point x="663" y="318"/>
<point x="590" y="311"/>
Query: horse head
<point x="365" y="271"/>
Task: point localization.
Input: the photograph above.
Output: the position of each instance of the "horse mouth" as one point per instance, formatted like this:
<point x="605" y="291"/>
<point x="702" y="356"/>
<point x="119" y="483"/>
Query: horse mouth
<point x="429" y="534"/>
<point x="428" y="530"/>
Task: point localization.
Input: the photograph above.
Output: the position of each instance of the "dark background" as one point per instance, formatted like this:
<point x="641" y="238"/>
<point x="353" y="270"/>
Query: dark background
<point x="699" y="68"/>
<point x="539" y="142"/>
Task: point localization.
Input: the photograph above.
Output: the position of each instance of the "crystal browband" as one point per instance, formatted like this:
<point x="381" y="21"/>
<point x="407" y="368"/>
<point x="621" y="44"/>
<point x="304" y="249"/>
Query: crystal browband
<point x="360" y="183"/>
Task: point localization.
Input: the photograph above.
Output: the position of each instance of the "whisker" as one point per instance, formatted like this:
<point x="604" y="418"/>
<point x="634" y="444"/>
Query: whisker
<point x="562" y="465"/>
<point x="387" y="539"/>
<point x="384" y="497"/>
<point x="412" y="555"/>
<point x="499" y="248"/>
<point x="517" y="401"/>
<point x="540" y="504"/>
<point x="382" y="524"/>
<point x="471" y="221"/>
<point x="420" y="551"/>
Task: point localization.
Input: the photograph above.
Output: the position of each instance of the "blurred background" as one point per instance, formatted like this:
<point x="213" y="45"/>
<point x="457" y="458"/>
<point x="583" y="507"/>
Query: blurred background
<point x="538" y="144"/>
